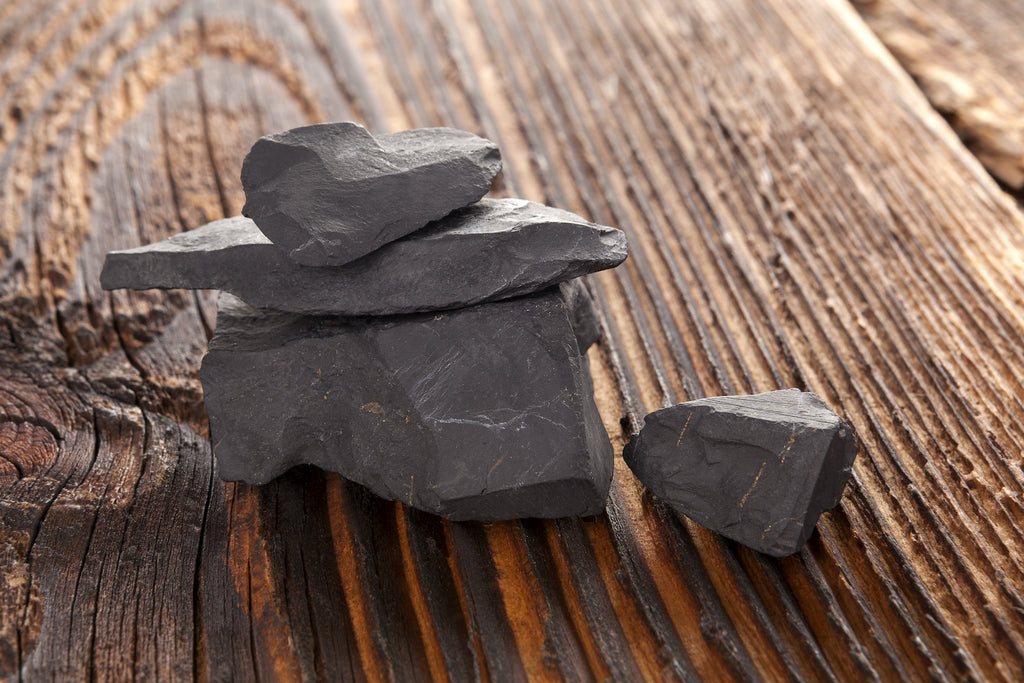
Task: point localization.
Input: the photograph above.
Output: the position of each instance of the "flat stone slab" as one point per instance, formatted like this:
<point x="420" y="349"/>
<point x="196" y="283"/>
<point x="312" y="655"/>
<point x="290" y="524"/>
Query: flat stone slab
<point x="481" y="413"/>
<point x="495" y="249"/>
<point x="758" y="469"/>
<point x="332" y="192"/>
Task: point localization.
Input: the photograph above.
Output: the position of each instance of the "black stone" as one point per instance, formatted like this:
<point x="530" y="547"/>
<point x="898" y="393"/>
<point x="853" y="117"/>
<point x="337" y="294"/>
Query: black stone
<point x="482" y="413"/>
<point x="758" y="469"/>
<point x="330" y="193"/>
<point x="495" y="249"/>
<point x="583" y="314"/>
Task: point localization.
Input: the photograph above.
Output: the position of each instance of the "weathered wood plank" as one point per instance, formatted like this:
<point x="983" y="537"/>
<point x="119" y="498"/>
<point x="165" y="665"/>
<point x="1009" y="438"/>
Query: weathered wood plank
<point x="968" y="58"/>
<point x="798" y="214"/>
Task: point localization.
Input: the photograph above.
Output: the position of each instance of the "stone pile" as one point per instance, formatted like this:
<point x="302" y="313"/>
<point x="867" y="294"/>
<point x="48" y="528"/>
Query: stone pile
<point x="379" y="318"/>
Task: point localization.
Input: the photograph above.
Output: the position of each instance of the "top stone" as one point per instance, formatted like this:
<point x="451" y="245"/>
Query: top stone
<point x="330" y="193"/>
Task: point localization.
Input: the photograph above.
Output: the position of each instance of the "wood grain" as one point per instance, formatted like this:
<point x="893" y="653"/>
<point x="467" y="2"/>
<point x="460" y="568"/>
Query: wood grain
<point x="798" y="215"/>
<point x="968" y="58"/>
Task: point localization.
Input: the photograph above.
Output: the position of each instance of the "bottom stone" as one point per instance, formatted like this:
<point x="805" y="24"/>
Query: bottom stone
<point x="482" y="413"/>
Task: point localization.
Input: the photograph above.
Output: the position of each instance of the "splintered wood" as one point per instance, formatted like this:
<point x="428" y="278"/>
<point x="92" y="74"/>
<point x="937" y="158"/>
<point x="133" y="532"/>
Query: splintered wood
<point x="968" y="57"/>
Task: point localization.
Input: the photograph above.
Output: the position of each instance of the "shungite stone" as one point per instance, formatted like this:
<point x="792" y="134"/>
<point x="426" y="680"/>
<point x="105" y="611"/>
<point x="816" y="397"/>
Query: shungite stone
<point x="330" y="193"/>
<point x="480" y="413"/>
<point x="495" y="249"/>
<point x="758" y="469"/>
<point x="583" y="313"/>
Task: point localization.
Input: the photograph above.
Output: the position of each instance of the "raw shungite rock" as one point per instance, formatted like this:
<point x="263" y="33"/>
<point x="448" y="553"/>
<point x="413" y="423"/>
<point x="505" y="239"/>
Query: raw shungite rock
<point x="495" y="249"/>
<point x="583" y="315"/>
<point x="480" y="413"/>
<point x="759" y="469"/>
<point x="330" y="193"/>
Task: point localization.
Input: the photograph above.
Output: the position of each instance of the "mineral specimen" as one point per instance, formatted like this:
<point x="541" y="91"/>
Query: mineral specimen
<point x="392" y="326"/>
<point x="484" y="412"/>
<point x="495" y="249"/>
<point x="330" y="193"/>
<point x="758" y="469"/>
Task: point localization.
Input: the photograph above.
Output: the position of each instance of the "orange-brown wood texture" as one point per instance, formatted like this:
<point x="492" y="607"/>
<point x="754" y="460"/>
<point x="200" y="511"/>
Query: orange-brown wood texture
<point x="798" y="214"/>
<point x="968" y="57"/>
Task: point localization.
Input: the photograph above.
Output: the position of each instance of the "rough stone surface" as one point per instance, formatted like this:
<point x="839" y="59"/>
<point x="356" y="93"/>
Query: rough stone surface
<point x="759" y="469"/>
<point x="481" y="413"/>
<point x="330" y="193"/>
<point x="583" y="314"/>
<point x="495" y="249"/>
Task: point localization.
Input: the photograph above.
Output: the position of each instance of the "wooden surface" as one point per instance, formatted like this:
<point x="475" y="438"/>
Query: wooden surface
<point x="798" y="215"/>
<point x="968" y="57"/>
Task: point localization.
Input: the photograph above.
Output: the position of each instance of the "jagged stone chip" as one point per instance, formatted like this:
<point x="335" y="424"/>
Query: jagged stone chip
<point x="481" y="413"/>
<point x="494" y="249"/>
<point x="332" y="192"/>
<point x="758" y="469"/>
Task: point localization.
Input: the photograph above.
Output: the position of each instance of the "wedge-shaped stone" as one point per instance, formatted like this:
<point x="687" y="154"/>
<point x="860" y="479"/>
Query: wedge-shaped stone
<point x="330" y="193"/>
<point x="759" y="469"/>
<point x="482" y="413"/>
<point x="495" y="249"/>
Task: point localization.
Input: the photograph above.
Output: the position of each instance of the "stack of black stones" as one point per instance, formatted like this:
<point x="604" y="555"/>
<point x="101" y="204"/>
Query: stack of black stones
<point x="381" y="319"/>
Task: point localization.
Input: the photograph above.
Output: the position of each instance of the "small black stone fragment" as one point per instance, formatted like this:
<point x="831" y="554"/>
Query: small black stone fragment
<point x="758" y="469"/>
<point x="331" y="192"/>
<point x="494" y="249"/>
<point x="484" y="413"/>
